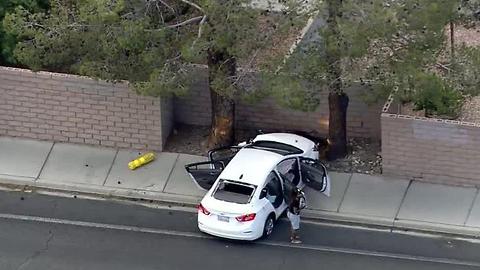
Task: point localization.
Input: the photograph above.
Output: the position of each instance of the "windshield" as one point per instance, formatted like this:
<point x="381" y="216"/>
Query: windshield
<point x="232" y="191"/>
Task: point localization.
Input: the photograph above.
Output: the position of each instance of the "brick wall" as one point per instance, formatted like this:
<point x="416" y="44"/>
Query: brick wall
<point x="431" y="150"/>
<point x="68" y="108"/>
<point x="363" y="120"/>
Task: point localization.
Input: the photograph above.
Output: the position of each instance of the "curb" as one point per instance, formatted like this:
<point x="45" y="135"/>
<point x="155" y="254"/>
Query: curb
<point x="349" y="219"/>
<point x="103" y="192"/>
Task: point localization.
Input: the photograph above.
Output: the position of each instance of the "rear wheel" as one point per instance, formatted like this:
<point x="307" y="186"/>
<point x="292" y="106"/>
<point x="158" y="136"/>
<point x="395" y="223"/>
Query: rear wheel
<point x="269" y="224"/>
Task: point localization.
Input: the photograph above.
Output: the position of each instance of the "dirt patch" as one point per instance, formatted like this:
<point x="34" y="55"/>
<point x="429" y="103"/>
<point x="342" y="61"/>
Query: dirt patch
<point x="363" y="154"/>
<point x="471" y="110"/>
<point x="363" y="157"/>
<point x="468" y="36"/>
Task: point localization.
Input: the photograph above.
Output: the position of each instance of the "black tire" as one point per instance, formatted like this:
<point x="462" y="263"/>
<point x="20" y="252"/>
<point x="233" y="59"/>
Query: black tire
<point x="269" y="225"/>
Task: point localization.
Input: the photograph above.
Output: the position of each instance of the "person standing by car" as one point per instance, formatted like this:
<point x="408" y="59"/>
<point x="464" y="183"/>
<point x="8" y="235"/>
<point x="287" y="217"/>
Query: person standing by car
<point x="296" y="204"/>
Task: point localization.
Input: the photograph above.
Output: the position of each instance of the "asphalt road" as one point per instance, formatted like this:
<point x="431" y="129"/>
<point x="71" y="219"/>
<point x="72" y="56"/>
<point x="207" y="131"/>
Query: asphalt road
<point x="43" y="232"/>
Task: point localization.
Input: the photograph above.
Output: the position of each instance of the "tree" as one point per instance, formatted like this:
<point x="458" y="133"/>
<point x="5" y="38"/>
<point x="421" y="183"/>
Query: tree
<point x="337" y="98"/>
<point x="467" y="11"/>
<point x="379" y="44"/>
<point x="8" y="41"/>
<point x="421" y="61"/>
<point x="152" y="44"/>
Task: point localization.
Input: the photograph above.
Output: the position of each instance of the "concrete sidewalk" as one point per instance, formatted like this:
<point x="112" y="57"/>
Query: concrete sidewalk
<point x="355" y="198"/>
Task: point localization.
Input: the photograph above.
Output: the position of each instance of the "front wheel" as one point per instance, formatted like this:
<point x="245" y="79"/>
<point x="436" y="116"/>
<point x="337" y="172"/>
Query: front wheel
<point x="268" y="228"/>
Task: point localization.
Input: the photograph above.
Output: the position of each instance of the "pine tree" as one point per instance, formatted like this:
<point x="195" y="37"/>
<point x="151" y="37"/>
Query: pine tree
<point x="379" y="44"/>
<point x="153" y="44"/>
<point x="8" y="41"/>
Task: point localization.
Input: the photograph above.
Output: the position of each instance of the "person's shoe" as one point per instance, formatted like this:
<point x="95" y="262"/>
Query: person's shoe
<point x="296" y="241"/>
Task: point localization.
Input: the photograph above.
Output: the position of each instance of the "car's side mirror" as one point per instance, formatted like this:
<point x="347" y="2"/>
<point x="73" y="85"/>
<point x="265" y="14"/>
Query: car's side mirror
<point x="263" y="193"/>
<point x="242" y="144"/>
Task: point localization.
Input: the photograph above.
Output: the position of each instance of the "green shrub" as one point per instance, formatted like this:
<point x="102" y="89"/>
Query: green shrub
<point x="436" y="96"/>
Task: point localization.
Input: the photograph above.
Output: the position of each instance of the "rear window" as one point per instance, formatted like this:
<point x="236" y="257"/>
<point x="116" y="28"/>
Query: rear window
<point x="279" y="148"/>
<point x="232" y="191"/>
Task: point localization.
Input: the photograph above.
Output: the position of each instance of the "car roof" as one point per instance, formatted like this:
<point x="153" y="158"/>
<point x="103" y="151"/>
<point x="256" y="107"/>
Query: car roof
<point x="252" y="165"/>
<point x="287" y="138"/>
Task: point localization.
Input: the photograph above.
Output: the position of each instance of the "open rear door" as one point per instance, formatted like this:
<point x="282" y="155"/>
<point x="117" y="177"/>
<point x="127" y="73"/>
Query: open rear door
<point x="314" y="175"/>
<point x="204" y="174"/>
<point x="223" y="154"/>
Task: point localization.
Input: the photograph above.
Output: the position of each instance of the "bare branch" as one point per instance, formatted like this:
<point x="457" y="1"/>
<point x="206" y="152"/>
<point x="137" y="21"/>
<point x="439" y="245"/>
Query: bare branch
<point x="161" y="13"/>
<point x="191" y="20"/>
<point x="200" y="30"/>
<point x="193" y="5"/>
<point x="167" y="5"/>
<point x="443" y="67"/>
<point x="180" y="24"/>
<point x="247" y="69"/>
<point x="202" y="22"/>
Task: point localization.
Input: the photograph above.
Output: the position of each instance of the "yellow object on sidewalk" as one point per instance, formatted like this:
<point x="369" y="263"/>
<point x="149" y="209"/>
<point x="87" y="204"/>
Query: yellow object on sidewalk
<point x="148" y="157"/>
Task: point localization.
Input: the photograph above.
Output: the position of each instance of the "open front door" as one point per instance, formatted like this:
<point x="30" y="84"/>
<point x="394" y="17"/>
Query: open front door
<point x="204" y="174"/>
<point x="314" y="175"/>
<point x="223" y="154"/>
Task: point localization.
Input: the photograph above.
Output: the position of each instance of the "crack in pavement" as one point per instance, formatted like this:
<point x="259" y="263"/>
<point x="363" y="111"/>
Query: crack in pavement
<point x="55" y="205"/>
<point x="38" y="252"/>
<point x="149" y="186"/>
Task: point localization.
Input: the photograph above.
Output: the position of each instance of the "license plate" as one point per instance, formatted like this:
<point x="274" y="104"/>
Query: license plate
<point x="223" y="218"/>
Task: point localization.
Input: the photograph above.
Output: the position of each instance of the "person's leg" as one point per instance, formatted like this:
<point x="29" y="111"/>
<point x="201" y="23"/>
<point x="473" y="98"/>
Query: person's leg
<point x="292" y="232"/>
<point x="296" y="238"/>
<point x="297" y="234"/>
<point x="295" y="228"/>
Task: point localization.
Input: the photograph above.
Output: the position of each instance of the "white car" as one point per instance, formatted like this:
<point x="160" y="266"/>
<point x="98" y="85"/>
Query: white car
<point x="248" y="185"/>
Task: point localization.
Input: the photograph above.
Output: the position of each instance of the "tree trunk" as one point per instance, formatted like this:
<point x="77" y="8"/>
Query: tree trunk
<point x="337" y="127"/>
<point x="452" y="39"/>
<point x="337" y="99"/>
<point x="223" y="105"/>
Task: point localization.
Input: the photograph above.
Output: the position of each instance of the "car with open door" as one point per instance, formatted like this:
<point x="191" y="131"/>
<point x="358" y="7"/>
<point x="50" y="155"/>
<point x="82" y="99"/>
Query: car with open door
<point x="248" y="185"/>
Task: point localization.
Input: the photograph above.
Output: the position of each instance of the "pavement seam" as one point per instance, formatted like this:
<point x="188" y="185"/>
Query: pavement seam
<point x="344" y="193"/>
<point x="15" y="175"/>
<point x="110" y="169"/>
<point x="170" y="173"/>
<point x="395" y="218"/>
<point x="44" y="162"/>
<point x="471" y="207"/>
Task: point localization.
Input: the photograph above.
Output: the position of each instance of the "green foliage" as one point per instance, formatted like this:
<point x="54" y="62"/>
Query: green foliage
<point x="112" y="40"/>
<point x="387" y="45"/>
<point x="436" y="96"/>
<point x="290" y="92"/>
<point x="8" y="40"/>
<point x="149" y="43"/>
<point x="380" y="43"/>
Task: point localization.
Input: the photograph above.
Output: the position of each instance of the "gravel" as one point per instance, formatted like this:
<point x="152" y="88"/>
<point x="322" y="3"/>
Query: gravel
<point x="471" y="110"/>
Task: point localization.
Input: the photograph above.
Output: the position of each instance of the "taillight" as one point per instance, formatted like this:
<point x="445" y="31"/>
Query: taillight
<point x="245" y="218"/>
<point x="203" y="209"/>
